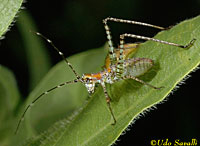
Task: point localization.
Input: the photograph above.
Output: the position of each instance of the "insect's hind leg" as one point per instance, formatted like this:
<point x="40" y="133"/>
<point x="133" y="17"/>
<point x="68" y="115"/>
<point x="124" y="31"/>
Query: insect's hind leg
<point x="141" y="81"/>
<point x="120" y="62"/>
<point x="133" y="22"/>
<point x="112" y="55"/>
<point x="122" y="36"/>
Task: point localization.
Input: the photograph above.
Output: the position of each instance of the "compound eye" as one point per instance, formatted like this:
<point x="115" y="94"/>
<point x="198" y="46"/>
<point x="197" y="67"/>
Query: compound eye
<point x="88" y="80"/>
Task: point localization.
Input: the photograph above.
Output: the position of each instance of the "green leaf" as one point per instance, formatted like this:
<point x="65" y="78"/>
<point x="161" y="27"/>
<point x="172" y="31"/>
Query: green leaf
<point x="37" y="56"/>
<point x="90" y="124"/>
<point x="62" y="102"/>
<point x="9" y="97"/>
<point x="8" y="11"/>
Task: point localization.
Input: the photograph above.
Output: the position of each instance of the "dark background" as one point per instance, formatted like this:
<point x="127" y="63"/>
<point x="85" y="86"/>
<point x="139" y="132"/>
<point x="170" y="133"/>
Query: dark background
<point x="76" y="26"/>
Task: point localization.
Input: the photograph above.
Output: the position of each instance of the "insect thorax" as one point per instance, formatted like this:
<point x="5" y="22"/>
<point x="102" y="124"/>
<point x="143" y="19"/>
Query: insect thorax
<point x="106" y="76"/>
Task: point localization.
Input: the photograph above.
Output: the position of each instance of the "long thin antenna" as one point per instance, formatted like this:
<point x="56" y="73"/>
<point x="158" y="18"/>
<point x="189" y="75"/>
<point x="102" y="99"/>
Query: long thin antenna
<point x="59" y="52"/>
<point x="39" y="97"/>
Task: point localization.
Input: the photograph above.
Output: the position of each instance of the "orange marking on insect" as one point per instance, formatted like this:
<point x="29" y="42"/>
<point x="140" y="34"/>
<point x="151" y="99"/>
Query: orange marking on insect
<point x="92" y="76"/>
<point x="97" y="75"/>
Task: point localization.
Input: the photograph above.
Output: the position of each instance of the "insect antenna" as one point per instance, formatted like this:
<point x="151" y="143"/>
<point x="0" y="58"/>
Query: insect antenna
<point x="59" y="52"/>
<point x="39" y="97"/>
<point x="58" y="86"/>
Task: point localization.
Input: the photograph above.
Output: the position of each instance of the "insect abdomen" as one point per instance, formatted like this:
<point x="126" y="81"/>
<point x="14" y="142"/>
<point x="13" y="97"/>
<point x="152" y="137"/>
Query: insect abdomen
<point x="137" y="66"/>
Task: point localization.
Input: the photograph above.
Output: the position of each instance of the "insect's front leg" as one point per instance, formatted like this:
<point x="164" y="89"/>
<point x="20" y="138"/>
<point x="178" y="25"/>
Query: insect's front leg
<point x="141" y="81"/>
<point x="108" y="100"/>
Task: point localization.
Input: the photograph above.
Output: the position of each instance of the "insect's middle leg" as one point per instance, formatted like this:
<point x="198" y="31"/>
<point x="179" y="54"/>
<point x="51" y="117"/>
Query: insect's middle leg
<point x="141" y="81"/>
<point x="108" y="100"/>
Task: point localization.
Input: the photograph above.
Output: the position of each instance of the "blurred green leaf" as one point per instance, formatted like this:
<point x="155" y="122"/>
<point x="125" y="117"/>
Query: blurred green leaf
<point x="8" y="11"/>
<point x="37" y="57"/>
<point x="9" y="97"/>
<point x="91" y="126"/>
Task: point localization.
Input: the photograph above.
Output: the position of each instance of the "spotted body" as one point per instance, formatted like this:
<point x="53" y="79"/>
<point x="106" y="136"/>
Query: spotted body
<point x="134" y="67"/>
<point x="118" y="64"/>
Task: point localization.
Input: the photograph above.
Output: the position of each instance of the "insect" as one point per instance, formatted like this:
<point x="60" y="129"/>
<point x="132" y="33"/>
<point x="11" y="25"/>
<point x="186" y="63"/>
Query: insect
<point x="117" y="65"/>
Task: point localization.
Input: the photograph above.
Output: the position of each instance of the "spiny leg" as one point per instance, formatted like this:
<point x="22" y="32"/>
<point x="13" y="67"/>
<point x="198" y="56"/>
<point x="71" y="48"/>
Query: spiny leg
<point x="133" y="22"/>
<point x="120" y="60"/>
<point x="112" y="55"/>
<point x="108" y="102"/>
<point x="141" y="81"/>
<point x="59" y="52"/>
<point x="39" y="97"/>
<point x="122" y="36"/>
<point x="120" y="63"/>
